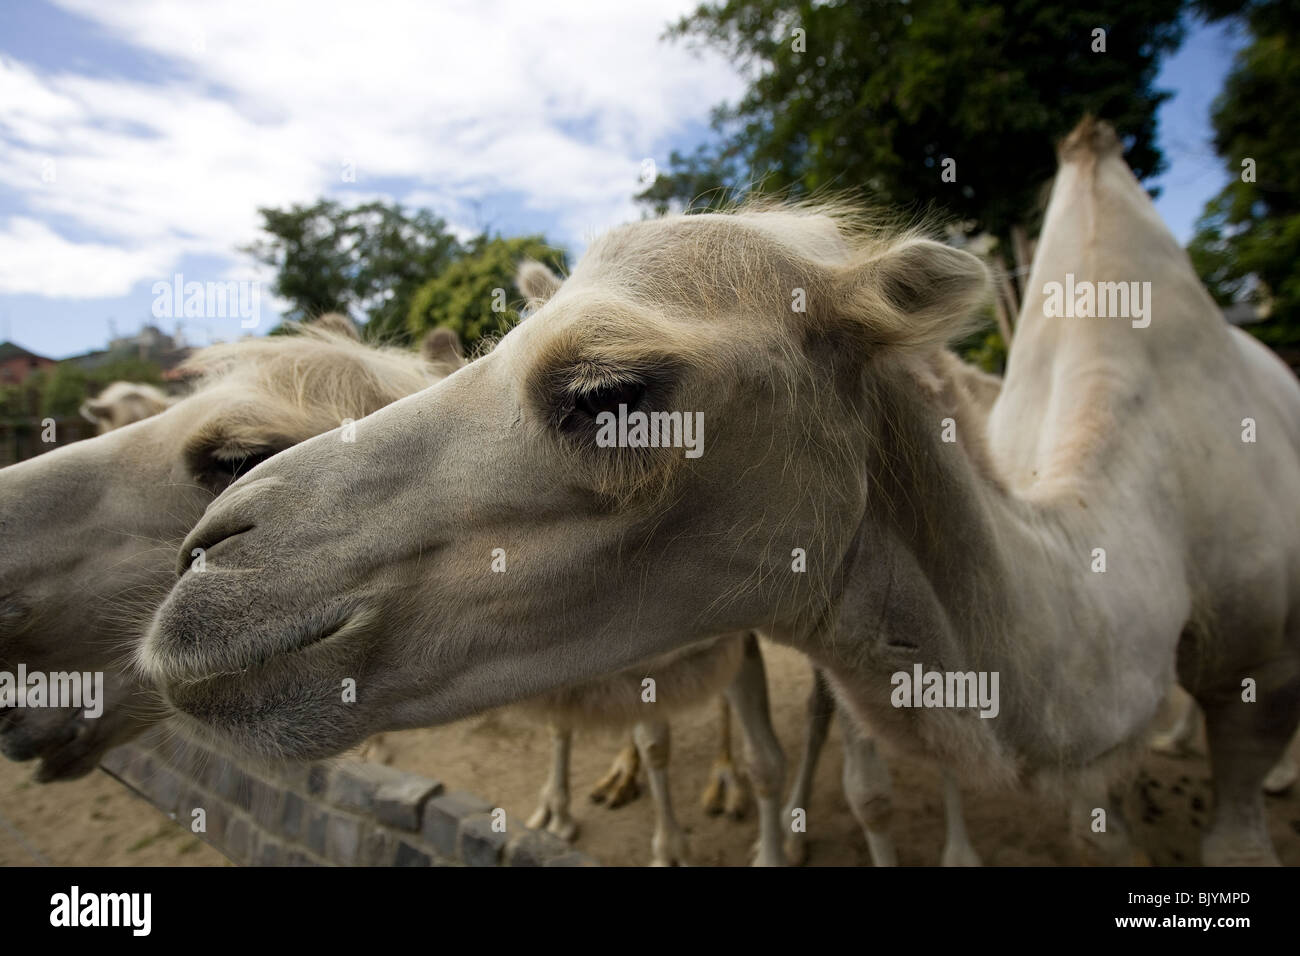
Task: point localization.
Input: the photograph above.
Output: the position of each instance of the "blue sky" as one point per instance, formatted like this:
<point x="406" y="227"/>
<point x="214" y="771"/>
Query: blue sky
<point x="138" y="138"/>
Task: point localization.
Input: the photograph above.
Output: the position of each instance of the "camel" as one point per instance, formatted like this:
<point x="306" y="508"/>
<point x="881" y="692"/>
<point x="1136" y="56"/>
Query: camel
<point x="686" y="678"/>
<point x="98" y="519"/>
<point x="1126" y="522"/>
<point x="121" y="403"/>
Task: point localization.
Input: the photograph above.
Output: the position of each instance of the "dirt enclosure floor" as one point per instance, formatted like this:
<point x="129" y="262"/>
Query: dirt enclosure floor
<point x="504" y="758"/>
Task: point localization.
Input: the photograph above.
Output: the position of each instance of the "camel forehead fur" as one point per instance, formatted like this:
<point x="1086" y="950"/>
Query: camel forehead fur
<point x="698" y="290"/>
<point x="751" y="257"/>
<point x="303" y="382"/>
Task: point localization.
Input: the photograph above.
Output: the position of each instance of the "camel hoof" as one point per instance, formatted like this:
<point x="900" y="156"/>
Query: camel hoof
<point x="796" y="850"/>
<point x="666" y="850"/>
<point x="374" y="750"/>
<point x="616" y="788"/>
<point x="1281" y="778"/>
<point x="961" y="855"/>
<point x="1171" y="745"/>
<point x="725" y="792"/>
<point x="566" y="830"/>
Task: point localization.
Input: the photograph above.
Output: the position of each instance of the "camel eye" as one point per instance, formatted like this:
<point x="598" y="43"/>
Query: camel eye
<point x="608" y="398"/>
<point x="218" y="467"/>
<point x="240" y="464"/>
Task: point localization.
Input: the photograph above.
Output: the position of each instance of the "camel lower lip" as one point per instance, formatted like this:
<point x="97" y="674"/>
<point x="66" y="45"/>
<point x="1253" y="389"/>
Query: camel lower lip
<point x="216" y="691"/>
<point x="256" y="667"/>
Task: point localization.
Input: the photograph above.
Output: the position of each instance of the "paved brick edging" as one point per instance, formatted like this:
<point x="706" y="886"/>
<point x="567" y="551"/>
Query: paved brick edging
<point x="340" y="813"/>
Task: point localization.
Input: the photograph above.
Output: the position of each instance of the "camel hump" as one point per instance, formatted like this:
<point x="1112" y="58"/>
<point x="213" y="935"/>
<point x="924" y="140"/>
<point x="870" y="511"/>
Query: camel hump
<point x="1092" y="137"/>
<point x="338" y="323"/>
<point x="443" y="345"/>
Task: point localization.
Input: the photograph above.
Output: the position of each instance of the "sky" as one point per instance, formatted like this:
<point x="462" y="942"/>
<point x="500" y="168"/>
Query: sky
<point x="138" y="138"/>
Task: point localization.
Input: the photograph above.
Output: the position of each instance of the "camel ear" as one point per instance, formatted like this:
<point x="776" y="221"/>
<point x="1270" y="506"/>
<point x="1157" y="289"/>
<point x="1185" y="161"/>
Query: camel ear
<point x="536" y="282"/>
<point x="93" y="412"/>
<point x="916" y="294"/>
<point x="442" y="345"/>
<point x="338" y="323"/>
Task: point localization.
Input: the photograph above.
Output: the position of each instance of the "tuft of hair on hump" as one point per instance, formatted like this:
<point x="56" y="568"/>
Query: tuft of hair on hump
<point x="337" y="322"/>
<point x="1092" y="138"/>
<point x="537" y="282"/>
<point x="315" y="369"/>
<point x="442" y="347"/>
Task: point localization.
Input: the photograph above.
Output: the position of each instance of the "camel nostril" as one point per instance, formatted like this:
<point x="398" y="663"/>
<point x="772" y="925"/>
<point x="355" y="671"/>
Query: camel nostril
<point x="194" y="551"/>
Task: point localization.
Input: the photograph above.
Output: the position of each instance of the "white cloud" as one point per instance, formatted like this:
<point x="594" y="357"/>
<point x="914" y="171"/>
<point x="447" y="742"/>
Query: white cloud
<point x="557" y="103"/>
<point x="35" y="259"/>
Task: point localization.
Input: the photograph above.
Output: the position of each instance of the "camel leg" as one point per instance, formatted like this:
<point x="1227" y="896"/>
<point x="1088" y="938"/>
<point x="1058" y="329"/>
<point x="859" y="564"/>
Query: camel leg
<point x="619" y="785"/>
<point x="869" y="791"/>
<point x="820" y="711"/>
<point x="957" y="849"/>
<point x="668" y="848"/>
<point x="748" y="694"/>
<point x="1282" y="776"/>
<point x="1180" y="738"/>
<point x="1245" y="741"/>
<point x="725" y="791"/>
<point x="375" y="750"/>
<point x="553" y="803"/>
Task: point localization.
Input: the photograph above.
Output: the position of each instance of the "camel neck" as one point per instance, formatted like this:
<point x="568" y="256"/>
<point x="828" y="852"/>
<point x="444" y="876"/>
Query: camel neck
<point x="954" y="572"/>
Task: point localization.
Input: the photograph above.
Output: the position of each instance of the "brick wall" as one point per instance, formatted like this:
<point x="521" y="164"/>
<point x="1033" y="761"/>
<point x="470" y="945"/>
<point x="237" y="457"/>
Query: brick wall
<point x="339" y="813"/>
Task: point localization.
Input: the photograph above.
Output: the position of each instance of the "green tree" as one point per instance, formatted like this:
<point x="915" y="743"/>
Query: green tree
<point x="63" y="388"/>
<point x="875" y="95"/>
<point x="366" y="259"/>
<point x="1247" y="242"/>
<point x="476" y="296"/>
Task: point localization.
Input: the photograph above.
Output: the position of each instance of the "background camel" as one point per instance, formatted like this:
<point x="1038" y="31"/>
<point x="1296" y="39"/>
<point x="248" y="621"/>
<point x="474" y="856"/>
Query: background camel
<point x="827" y="435"/>
<point x="121" y="403"/>
<point x="686" y="678"/>
<point x="97" y="521"/>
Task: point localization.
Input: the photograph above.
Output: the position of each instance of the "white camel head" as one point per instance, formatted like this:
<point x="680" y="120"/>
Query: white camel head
<point x="123" y="403"/>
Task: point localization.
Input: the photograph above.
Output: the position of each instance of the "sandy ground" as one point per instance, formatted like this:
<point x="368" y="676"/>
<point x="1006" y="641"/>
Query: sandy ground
<point x="504" y="758"/>
<point x="94" y="821"/>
